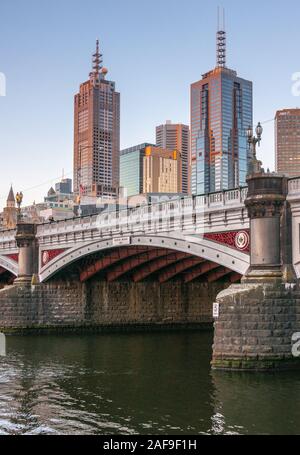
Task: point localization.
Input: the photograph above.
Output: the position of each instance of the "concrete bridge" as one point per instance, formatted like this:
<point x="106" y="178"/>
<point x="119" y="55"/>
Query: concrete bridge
<point x="164" y="265"/>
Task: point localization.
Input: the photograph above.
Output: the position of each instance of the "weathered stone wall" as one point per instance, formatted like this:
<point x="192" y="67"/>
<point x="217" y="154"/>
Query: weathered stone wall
<point x="101" y="304"/>
<point x="149" y="302"/>
<point x="255" y="327"/>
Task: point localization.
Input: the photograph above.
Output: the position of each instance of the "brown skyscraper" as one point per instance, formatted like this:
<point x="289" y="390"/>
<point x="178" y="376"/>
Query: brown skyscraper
<point x="176" y="137"/>
<point x="97" y="134"/>
<point x="287" y="142"/>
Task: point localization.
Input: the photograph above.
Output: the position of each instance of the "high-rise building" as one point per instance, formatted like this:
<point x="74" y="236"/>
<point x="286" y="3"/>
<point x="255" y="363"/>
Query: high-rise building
<point x="97" y="134"/>
<point x="287" y="142"/>
<point x="64" y="186"/>
<point x="221" y="112"/>
<point x="147" y="168"/>
<point x="162" y="171"/>
<point x="173" y="136"/>
<point x="132" y="167"/>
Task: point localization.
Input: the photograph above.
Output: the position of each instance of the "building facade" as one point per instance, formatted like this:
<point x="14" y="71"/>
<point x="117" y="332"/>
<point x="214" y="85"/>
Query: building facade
<point x="131" y="168"/>
<point x="147" y="168"/>
<point x="97" y="134"/>
<point x="162" y="171"/>
<point x="287" y="142"/>
<point x="64" y="187"/>
<point x="221" y="112"/>
<point x="173" y="136"/>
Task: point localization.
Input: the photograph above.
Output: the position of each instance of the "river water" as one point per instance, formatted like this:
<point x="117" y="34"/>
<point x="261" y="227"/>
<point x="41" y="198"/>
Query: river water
<point x="150" y="383"/>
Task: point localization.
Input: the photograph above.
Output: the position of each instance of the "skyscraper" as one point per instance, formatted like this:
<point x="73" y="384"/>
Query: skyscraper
<point x="221" y="112"/>
<point x="287" y="142"/>
<point x="97" y="134"/>
<point x="176" y="137"/>
<point x="146" y="168"/>
<point x="132" y="168"/>
<point x="162" y="171"/>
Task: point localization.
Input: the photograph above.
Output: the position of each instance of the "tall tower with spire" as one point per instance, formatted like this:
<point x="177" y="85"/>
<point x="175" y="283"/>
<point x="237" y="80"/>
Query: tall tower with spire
<point x="221" y="41"/>
<point x="97" y="134"/>
<point x="221" y="111"/>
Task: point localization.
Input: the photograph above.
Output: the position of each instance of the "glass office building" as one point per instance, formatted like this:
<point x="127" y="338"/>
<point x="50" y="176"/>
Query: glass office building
<point x="131" y="168"/>
<point x="147" y="168"/>
<point x="221" y="112"/>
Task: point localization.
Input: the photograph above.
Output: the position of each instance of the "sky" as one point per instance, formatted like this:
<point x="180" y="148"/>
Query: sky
<point x="153" y="49"/>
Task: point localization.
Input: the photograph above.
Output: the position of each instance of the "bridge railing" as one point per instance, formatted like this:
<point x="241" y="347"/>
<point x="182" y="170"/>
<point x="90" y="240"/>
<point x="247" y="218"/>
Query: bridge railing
<point x="8" y="239"/>
<point x="294" y="185"/>
<point x="185" y="213"/>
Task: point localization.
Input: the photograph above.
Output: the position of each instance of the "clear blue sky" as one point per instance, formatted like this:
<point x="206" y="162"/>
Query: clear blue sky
<point x="153" y="50"/>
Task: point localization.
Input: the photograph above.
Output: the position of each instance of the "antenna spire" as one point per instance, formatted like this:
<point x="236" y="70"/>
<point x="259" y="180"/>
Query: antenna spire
<point x="221" y="40"/>
<point x="97" y="59"/>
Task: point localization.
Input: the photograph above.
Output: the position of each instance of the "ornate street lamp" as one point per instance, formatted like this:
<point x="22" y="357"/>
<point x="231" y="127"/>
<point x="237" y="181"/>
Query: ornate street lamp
<point x="256" y="165"/>
<point x="19" y="200"/>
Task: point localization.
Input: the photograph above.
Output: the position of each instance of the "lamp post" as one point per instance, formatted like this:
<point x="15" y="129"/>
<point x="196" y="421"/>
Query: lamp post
<point x="19" y="200"/>
<point x="256" y="165"/>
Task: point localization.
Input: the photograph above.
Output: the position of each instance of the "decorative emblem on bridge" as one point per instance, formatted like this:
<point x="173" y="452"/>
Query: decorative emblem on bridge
<point x="49" y="255"/>
<point x="240" y="240"/>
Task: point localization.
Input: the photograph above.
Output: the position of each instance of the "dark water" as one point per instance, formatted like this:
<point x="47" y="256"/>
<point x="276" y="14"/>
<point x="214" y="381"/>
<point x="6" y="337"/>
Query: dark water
<point x="137" y="384"/>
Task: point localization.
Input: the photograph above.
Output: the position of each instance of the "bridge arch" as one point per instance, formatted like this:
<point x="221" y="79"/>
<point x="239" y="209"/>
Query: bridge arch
<point x="224" y="256"/>
<point x="9" y="265"/>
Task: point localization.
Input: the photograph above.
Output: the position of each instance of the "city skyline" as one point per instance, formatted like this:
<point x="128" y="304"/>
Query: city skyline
<point x="147" y="99"/>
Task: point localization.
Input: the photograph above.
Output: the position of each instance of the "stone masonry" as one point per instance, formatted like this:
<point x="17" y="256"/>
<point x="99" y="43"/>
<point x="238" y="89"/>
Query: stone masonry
<point x="255" y="327"/>
<point x="101" y="305"/>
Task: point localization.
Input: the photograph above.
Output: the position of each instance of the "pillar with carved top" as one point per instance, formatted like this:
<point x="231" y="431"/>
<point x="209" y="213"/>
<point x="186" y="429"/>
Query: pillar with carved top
<point x="265" y="204"/>
<point x="26" y="242"/>
<point x="255" y="321"/>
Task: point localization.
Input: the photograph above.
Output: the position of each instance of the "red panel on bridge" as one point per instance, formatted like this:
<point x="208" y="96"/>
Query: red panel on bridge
<point x="110" y="259"/>
<point x="217" y="274"/>
<point x="48" y="255"/>
<point x="235" y="277"/>
<point x="178" y="268"/>
<point x="157" y="265"/>
<point x="134" y="262"/>
<point x="200" y="270"/>
<point x="239" y="240"/>
<point x="13" y="257"/>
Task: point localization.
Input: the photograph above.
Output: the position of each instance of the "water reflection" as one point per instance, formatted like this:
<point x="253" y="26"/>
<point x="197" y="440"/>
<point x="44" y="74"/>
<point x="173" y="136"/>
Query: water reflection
<point x="136" y="384"/>
<point x="258" y="403"/>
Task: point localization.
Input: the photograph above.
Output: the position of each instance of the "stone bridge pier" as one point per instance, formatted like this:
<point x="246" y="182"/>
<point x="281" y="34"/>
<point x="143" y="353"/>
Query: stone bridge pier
<point x="28" y="252"/>
<point x="256" y="320"/>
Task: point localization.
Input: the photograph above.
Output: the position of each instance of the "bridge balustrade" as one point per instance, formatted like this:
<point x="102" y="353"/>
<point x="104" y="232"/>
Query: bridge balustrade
<point x="183" y="213"/>
<point x="294" y="185"/>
